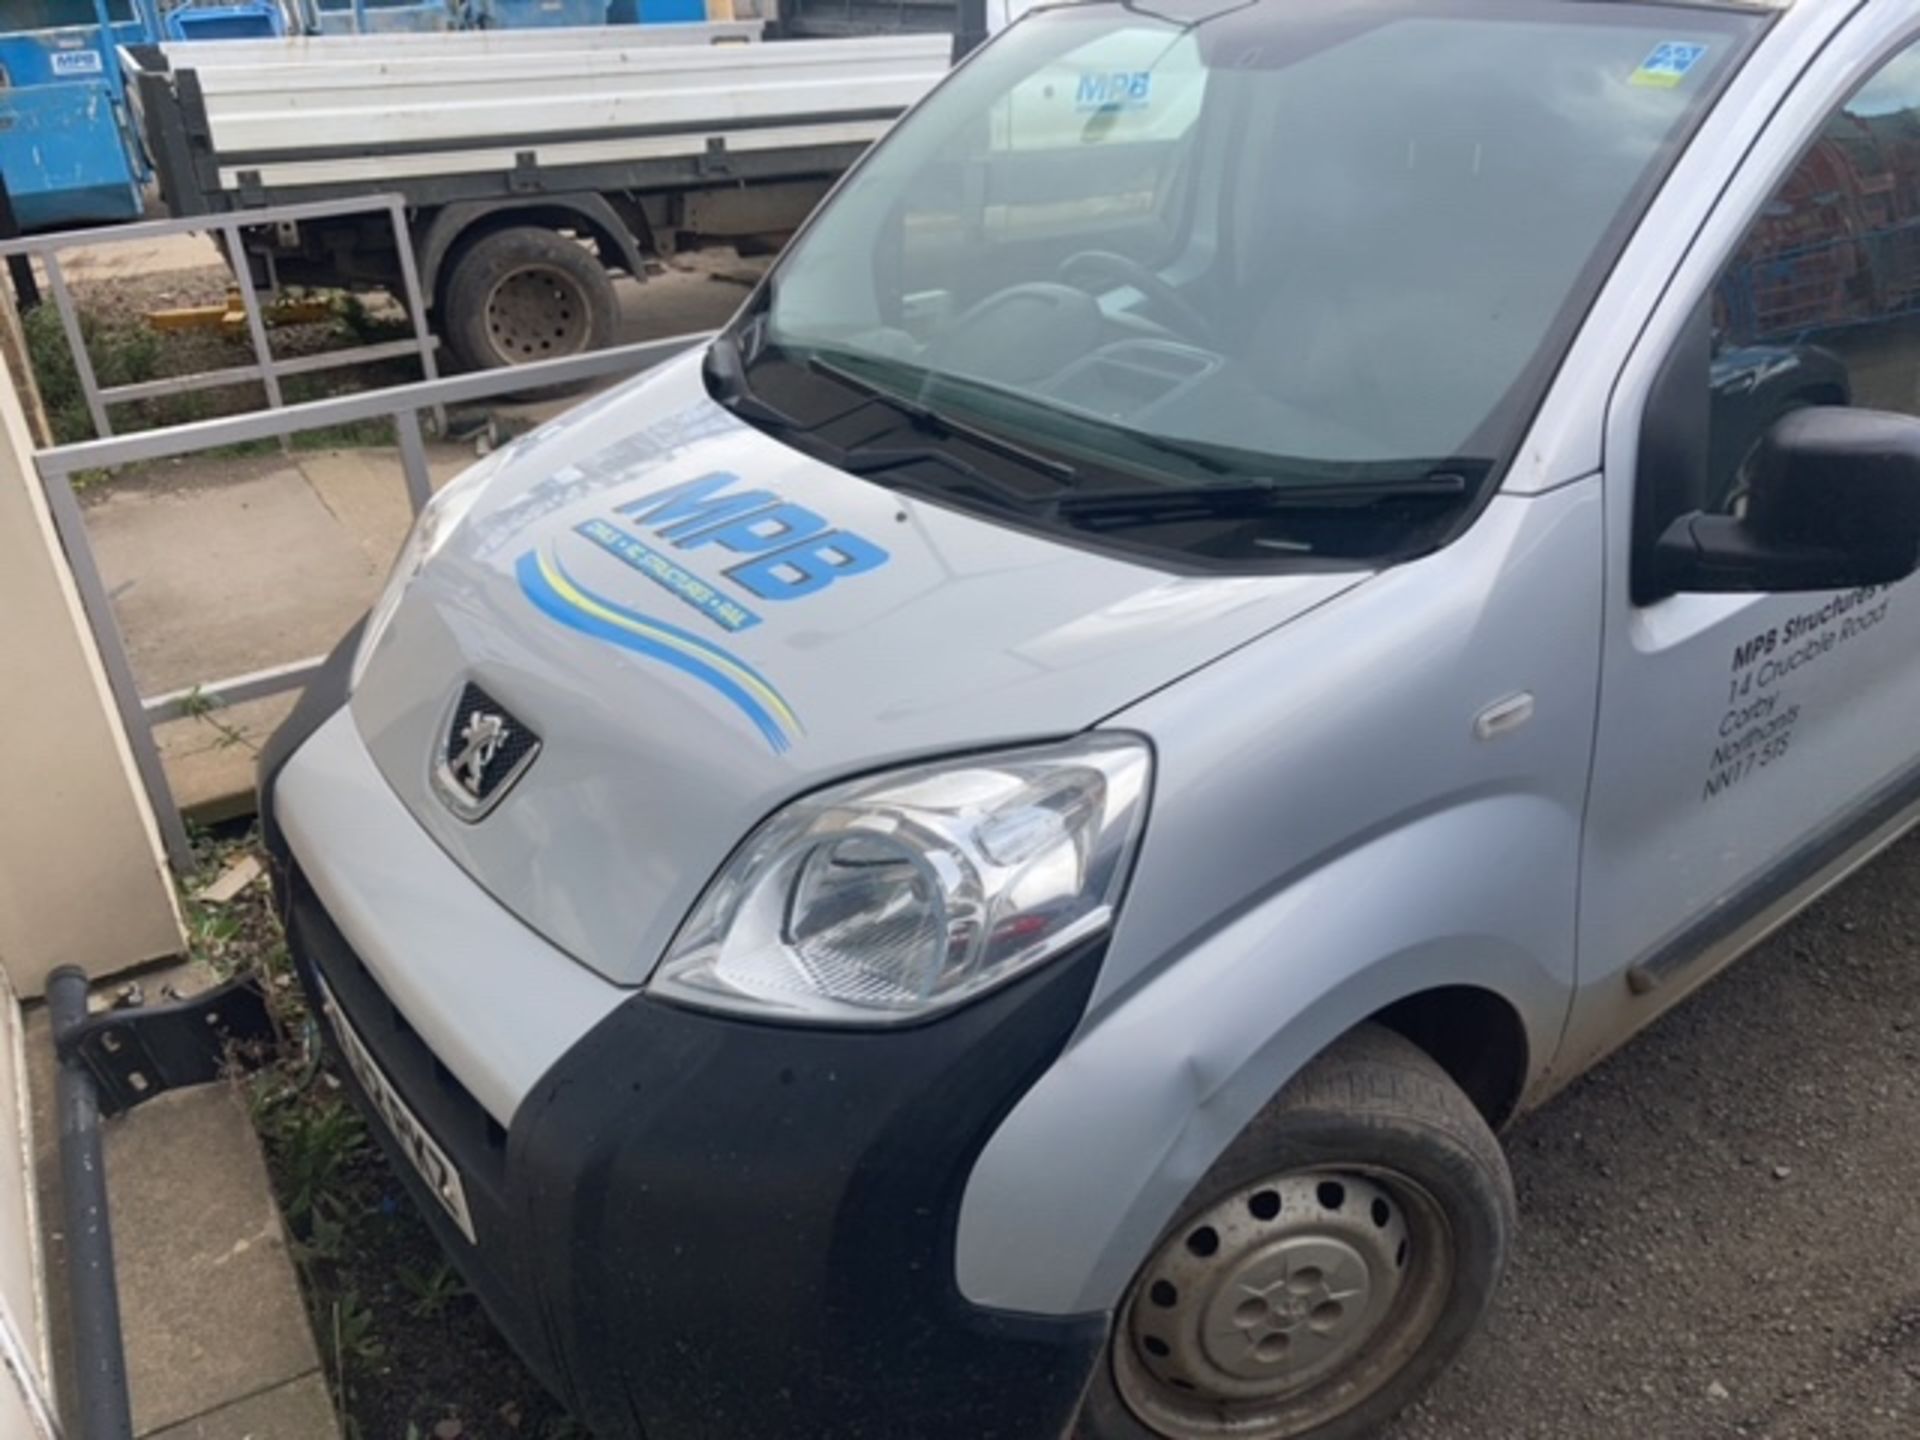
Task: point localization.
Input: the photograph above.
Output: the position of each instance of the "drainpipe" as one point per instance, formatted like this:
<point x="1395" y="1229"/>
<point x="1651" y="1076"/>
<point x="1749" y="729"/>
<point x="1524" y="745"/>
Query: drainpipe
<point x="104" y="1410"/>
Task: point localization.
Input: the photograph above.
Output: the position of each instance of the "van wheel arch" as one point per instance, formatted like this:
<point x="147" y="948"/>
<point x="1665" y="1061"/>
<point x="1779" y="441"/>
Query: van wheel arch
<point x="1376" y="1169"/>
<point x="1476" y="1036"/>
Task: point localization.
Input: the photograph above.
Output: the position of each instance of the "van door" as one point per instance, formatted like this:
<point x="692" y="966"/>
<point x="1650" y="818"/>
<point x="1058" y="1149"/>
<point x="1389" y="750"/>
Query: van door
<point x="1750" y="747"/>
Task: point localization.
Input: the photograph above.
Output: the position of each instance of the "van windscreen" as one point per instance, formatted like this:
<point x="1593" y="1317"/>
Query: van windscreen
<point x="1308" y="262"/>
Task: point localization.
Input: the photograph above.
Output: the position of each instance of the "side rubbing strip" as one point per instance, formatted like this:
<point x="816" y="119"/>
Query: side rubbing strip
<point x="1876" y="823"/>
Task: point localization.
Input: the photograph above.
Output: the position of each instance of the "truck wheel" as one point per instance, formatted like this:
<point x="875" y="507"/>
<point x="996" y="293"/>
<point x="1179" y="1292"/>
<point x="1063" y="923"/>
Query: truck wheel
<point x="1324" y="1270"/>
<point x="525" y="294"/>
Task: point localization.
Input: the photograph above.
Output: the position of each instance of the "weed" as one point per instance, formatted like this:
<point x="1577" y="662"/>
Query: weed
<point x="210" y="930"/>
<point x="430" y="1291"/>
<point x="316" y="1139"/>
<point x="275" y="964"/>
<point x="328" y="1236"/>
<point x="355" y="1334"/>
<point x="197" y="704"/>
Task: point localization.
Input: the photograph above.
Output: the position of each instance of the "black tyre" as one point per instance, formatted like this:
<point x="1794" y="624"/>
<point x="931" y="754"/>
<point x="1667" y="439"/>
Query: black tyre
<point x="523" y="294"/>
<point x="1325" y="1269"/>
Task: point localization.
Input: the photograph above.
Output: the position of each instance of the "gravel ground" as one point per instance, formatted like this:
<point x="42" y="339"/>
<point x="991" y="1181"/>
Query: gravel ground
<point x="1719" y="1235"/>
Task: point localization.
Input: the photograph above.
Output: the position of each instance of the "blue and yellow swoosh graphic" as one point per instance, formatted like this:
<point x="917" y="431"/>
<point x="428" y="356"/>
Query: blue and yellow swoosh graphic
<point x="547" y="584"/>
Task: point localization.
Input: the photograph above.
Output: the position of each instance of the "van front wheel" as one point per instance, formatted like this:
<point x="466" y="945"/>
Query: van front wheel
<point x="1324" y="1270"/>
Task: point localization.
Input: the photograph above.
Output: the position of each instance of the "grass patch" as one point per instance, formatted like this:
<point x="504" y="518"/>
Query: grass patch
<point x="121" y="356"/>
<point x="407" y="1349"/>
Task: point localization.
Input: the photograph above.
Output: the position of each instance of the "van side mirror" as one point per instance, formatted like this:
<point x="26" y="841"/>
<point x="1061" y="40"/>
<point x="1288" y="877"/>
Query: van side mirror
<point x="1833" y="502"/>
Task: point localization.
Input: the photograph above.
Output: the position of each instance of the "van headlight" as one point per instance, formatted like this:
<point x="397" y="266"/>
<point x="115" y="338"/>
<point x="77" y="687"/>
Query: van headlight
<point x="890" y="898"/>
<point x="438" y="519"/>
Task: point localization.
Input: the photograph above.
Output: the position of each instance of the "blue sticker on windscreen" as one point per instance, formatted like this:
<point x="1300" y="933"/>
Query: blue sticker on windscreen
<point x="1668" y="65"/>
<point x="1113" y="90"/>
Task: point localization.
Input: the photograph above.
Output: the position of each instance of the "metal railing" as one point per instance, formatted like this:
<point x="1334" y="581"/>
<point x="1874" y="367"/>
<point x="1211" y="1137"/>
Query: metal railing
<point x="401" y="404"/>
<point x="266" y="370"/>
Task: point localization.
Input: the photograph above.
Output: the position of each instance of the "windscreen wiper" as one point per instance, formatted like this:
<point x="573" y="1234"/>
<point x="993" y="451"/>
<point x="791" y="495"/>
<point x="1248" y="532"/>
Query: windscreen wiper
<point x="867" y="461"/>
<point x="1249" y="497"/>
<point x="927" y="419"/>
<point x="728" y="368"/>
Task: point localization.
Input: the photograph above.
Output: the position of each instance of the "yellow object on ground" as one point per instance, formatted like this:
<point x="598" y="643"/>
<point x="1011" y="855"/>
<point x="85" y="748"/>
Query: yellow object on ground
<point x="233" y="314"/>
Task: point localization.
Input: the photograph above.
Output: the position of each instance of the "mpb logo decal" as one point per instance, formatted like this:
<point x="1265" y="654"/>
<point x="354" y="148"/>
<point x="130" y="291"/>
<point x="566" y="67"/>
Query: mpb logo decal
<point x="773" y="550"/>
<point x="788" y="552"/>
<point x="1113" y="90"/>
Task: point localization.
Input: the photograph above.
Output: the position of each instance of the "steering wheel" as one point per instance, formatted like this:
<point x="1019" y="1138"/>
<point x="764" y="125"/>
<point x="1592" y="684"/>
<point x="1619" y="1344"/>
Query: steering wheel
<point x="1020" y="335"/>
<point x="1084" y="269"/>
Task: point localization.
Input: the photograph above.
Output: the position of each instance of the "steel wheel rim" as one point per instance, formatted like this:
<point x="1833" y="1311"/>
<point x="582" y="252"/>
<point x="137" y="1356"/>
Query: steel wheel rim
<point x="1283" y="1305"/>
<point x="538" y="312"/>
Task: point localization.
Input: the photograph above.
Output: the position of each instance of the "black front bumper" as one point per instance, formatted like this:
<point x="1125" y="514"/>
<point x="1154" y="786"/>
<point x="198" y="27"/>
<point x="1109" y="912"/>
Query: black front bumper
<point x="703" y="1227"/>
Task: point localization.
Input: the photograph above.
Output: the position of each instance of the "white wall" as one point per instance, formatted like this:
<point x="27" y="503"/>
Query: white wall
<point x="25" y="1383"/>
<point x="82" y="880"/>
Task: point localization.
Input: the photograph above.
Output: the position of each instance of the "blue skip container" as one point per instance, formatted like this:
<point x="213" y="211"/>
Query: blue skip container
<point x="534" y="14"/>
<point x="249" y="20"/>
<point x="385" y="17"/>
<point x="65" y="148"/>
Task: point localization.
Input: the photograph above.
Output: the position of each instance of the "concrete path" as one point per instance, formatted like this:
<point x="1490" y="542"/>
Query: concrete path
<point x="218" y="1344"/>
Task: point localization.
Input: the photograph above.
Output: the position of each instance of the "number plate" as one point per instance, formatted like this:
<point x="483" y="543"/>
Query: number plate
<point x="422" y="1153"/>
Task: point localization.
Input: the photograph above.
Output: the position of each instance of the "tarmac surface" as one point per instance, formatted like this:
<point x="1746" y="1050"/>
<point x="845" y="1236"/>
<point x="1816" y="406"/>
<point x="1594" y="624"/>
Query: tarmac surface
<point x="1719" y="1233"/>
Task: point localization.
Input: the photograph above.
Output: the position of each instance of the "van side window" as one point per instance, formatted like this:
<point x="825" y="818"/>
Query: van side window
<point x="1820" y="305"/>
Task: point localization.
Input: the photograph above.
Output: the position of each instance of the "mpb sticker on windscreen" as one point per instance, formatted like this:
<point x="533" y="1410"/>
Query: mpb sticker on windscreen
<point x="1668" y="65"/>
<point x="1113" y="90"/>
